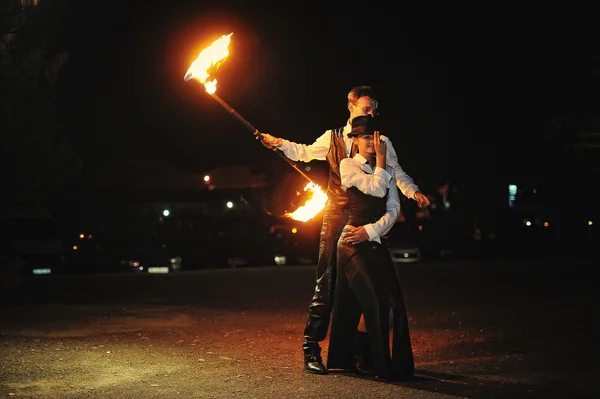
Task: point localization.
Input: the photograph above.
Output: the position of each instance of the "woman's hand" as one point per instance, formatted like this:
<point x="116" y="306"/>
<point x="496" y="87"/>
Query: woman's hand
<point x="380" y="149"/>
<point x="355" y="235"/>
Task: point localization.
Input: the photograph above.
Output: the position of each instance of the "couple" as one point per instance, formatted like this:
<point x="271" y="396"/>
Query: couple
<point x="362" y="206"/>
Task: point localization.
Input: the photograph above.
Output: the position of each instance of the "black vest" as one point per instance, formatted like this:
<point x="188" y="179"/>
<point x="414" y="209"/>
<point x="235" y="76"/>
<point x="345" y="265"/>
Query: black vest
<point x="337" y="151"/>
<point x="364" y="208"/>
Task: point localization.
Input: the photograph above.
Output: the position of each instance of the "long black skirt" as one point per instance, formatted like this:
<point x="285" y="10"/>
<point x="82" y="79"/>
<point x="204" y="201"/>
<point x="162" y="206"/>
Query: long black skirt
<point x="367" y="283"/>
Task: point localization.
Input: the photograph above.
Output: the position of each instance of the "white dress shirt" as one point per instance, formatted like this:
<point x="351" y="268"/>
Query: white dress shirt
<point x="319" y="149"/>
<point x="356" y="172"/>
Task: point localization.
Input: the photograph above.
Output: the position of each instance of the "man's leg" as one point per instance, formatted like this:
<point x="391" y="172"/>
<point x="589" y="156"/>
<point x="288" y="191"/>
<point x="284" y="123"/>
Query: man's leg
<point x="319" y="311"/>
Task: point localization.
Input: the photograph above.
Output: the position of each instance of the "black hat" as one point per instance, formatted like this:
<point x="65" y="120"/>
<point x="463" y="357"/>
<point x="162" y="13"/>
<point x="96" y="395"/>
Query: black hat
<point x="363" y="125"/>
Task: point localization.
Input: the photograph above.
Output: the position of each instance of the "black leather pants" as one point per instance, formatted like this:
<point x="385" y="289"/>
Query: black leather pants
<point x="319" y="311"/>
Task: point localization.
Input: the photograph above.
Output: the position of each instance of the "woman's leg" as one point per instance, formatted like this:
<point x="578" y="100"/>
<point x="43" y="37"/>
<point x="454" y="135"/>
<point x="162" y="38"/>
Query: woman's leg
<point x="402" y="355"/>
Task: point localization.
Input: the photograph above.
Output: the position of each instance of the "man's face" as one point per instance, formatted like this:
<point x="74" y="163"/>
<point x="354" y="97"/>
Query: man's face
<point x="363" y="106"/>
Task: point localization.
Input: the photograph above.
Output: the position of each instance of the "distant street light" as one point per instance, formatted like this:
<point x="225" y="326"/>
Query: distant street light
<point x="166" y="212"/>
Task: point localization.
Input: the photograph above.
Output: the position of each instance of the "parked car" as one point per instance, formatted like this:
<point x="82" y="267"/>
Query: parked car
<point x="29" y="239"/>
<point x="124" y="251"/>
<point x="403" y="244"/>
<point x="238" y="242"/>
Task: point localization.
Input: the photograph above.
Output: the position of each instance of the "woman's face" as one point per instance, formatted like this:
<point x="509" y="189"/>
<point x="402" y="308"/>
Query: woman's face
<point x="364" y="143"/>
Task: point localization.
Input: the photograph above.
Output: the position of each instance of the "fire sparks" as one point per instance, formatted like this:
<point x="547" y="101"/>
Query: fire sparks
<point x="208" y="59"/>
<point x="313" y="205"/>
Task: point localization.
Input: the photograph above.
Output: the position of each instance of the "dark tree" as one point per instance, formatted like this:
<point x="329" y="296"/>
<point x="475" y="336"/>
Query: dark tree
<point x="35" y="157"/>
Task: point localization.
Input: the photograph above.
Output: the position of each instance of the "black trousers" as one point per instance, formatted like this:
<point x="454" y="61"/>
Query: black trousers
<point x="319" y="311"/>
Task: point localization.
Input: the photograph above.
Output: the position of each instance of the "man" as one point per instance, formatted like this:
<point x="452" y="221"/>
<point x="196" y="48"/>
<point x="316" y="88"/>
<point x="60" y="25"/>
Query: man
<point x="333" y="146"/>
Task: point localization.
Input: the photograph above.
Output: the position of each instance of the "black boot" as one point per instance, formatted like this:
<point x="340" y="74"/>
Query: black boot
<point x="361" y="354"/>
<point x="313" y="363"/>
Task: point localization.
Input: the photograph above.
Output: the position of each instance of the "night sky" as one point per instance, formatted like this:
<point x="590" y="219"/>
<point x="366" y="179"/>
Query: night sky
<point x="464" y="93"/>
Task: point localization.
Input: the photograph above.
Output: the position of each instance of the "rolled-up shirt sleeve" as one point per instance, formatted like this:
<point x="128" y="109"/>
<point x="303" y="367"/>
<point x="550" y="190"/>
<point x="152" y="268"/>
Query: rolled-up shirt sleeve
<point x="306" y="153"/>
<point x="352" y="175"/>
<point x="405" y="183"/>
<point x="386" y="222"/>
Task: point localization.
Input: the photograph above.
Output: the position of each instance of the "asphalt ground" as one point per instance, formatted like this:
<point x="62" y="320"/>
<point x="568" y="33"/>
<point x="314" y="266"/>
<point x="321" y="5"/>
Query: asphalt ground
<point x="480" y="329"/>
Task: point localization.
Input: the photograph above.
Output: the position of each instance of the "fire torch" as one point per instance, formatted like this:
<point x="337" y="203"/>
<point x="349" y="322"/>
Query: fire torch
<point x="210" y="59"/>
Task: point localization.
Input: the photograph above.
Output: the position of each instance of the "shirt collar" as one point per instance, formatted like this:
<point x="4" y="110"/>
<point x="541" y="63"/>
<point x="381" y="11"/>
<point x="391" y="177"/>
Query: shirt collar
<point x="360" y="159"/>
<point x="347" y="130"/>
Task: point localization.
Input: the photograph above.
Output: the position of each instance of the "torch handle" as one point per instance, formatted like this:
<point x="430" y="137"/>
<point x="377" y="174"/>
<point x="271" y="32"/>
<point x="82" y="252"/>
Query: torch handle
<point x="257" y="133"/>
<point x="235" y="113"/>
<point x="292" y="164"/>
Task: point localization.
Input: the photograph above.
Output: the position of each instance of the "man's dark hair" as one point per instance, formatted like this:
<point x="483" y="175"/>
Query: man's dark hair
<point x="361" y="91"/>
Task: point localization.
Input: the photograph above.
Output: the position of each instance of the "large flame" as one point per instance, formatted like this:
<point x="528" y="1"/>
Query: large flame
<point x="313" y="205"/>
<point x="209" y="58"/>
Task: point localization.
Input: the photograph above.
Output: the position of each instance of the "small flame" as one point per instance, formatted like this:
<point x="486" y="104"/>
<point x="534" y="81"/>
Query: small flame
<point x="209" y="58"/>
<point x="313" y="205"/>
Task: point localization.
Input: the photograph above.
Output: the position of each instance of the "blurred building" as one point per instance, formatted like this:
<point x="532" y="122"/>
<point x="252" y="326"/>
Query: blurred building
<point x="14" y="14"/>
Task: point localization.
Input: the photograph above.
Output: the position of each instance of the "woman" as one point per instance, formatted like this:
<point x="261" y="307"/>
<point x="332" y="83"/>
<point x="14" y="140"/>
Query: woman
<point x="367" y="282"/>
